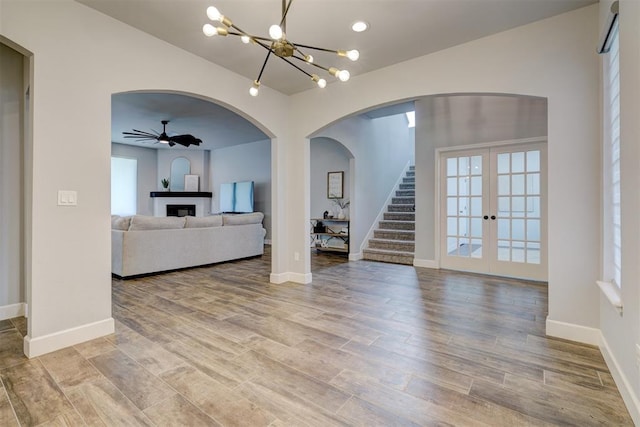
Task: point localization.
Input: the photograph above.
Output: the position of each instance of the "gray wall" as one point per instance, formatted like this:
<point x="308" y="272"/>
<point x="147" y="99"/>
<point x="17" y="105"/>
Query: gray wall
<point x="381" y="149"/>
<point x="246" y="162"/>
<point x="447" y="121"/>
<point x="327" y="155"/>
<point x="147" y="172"/>
<point x="199" y="164"/>
<point x="11" y="190"/>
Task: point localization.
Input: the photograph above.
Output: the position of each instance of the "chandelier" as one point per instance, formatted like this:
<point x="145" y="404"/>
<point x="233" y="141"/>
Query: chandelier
<point x="277" y="44"/>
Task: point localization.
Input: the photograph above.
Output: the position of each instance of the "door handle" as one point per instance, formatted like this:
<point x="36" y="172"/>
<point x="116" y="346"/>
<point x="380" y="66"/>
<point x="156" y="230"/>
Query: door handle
<point x="486" y="217"/>
<point x="493" y="217"/>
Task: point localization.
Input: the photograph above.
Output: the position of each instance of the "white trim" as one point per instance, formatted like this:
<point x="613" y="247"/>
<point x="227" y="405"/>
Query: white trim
<point x="356" y="256"/>
<point x="622" y="382"/>
<point x="383" y="210"/>
<point x="612" y="292"/>
<point x="267" y="241"/>
<point x="13" y="310"/>
<point x="34" y="347"/>
<point x="480" y="145"/>
<point x="290" y="277"/>
<point x="573" y="332"/>
<point x="426" y="263"/>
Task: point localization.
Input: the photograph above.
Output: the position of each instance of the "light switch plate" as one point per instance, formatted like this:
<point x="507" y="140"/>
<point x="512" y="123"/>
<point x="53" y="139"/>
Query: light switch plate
<point x="67" y="198"/>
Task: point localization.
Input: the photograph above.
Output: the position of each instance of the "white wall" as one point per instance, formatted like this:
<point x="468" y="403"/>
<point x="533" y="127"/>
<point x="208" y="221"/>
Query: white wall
<point x="11" y="183"/>
<point x="245" y="162"/>
<point x="76" y="72"/>
<point x="450" y="121"/>
<point x="621" y="333"/>
<point x="147" y="173"/>
<point x="554" y="59"/>
<point x="381" y="149"/>
<point x="327" y="155"/>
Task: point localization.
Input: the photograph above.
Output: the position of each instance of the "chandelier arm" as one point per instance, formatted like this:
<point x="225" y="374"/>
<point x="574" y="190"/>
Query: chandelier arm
<point x="311" y="63"/>
<point x="233" y="33"/>
<point x="313" y="47"/>
<point x="295" y="66"/>
<point x="264" y="64"/>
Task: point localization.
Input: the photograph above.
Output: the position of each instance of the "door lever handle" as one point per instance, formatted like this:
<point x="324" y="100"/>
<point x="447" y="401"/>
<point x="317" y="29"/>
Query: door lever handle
<point x="486" y="217"/>
<point x="493" y="217"/>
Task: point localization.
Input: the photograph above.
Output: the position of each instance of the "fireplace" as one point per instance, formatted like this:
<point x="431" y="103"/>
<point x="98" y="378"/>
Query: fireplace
<point x="181" y="210"/>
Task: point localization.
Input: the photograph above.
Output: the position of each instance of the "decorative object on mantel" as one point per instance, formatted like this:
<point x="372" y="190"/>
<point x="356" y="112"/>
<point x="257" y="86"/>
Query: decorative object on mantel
<point x="279" y="45"/>
<point x="335" y="186"/>
<point x="341" y="206"/>
<point x="165" y="184"/>
<point x="185" y="140"/>
<point x="191" y="183"/>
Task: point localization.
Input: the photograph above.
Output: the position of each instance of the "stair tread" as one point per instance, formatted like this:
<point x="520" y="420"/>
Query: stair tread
<point x="388" y="252"/>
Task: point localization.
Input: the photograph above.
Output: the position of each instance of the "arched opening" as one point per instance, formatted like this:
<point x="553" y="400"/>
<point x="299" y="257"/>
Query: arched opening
<point x="442" y="121"/>
<point x="232" y="148"/>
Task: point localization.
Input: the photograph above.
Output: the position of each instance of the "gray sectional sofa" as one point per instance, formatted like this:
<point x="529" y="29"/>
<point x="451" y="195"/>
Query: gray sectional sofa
<point x="145" y="244"/>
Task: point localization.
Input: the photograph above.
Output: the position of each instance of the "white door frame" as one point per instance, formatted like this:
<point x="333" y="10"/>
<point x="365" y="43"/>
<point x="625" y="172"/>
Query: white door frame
<point x="438" y="172"/>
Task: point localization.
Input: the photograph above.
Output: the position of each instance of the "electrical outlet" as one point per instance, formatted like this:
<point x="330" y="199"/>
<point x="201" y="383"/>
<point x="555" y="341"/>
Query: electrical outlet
<point x="296" y="256"/>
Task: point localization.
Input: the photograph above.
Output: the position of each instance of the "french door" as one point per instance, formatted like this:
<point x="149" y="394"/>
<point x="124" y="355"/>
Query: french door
<point x="493" y="211"/>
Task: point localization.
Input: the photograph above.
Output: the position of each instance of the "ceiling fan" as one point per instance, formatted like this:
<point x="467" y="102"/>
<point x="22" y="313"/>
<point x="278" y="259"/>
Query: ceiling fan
<point x="163" y="138"/>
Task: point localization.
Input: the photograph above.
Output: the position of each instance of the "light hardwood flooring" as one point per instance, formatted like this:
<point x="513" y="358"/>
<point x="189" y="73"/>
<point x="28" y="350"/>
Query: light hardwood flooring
<point x="365" y="344"/>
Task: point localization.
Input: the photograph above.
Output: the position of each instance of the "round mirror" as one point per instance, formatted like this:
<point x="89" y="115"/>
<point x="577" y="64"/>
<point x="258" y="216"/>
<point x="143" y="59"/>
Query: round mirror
<point x="180" y="167"/>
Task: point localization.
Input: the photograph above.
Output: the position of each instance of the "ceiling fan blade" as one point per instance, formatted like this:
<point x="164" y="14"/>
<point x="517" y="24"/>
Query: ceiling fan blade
<point x="140" y="133"/>
<point x="185" y="140"/>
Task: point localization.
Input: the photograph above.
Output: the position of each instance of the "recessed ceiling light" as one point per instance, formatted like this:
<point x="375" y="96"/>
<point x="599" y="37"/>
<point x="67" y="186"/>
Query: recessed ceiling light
<point x="359" y="26"/>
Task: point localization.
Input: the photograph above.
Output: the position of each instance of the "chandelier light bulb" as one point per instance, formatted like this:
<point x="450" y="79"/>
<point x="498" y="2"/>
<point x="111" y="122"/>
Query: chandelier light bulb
<point x="253" y="91"/>
<point x="275" y="32"/>
<point x="209" y="30"/>
<point x="245" y="39"/>
<point x="322" y="83"/>
<point x="214" y="14"/>
<point x="309" y="59"/>
<point x="353" y="55"/>
<point x="344" y="75"/>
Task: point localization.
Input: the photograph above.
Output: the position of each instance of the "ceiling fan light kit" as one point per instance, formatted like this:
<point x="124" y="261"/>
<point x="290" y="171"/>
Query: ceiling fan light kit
<point x="278" y="45"/>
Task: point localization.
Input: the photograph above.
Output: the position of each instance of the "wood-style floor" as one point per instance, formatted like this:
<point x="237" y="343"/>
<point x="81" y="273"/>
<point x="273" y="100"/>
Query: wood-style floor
<point x="365" y="344"/>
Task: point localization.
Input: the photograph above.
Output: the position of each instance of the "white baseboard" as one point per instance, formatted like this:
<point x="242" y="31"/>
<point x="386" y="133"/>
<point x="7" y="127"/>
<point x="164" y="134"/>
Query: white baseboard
<point x="573" y="332"/>
<point x="290" y="277"/>
<point x="34" y="347"/>
<point x="426" y="263"/>
<point x="622" y="382"/>
<point x="355" y="257"/>
<point x="267" y="241"/>
<point x="12" y="310"/>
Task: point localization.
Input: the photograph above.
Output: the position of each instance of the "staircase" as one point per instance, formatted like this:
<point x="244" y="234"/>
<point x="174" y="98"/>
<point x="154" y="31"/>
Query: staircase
<point x="394" y="239"/>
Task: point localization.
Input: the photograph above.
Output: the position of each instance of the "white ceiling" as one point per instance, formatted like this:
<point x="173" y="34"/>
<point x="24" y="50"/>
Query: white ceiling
<point x="399" y="30"/>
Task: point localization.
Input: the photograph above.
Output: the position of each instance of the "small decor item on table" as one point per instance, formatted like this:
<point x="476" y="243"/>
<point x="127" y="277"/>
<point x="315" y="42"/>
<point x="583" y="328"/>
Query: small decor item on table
<point x="341" y="205"/>
<point x="165" y="184"/>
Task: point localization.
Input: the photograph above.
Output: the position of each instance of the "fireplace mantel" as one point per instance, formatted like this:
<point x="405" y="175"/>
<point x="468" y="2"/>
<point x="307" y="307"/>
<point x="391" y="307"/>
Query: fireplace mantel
<point x="206" y="194"/>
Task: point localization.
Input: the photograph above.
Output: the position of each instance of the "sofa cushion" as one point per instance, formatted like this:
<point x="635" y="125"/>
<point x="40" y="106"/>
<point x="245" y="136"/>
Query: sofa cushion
<point x="203" y="221"/>
<point x="120" y="222"/>
<point x="241" y="219"/>
<point x="142" y="222"/>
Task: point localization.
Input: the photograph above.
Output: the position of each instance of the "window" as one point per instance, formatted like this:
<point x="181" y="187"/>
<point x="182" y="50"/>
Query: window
<point x="611" y="167"/>
<point x="124" y="186"/>
<point x="411" y="118"/>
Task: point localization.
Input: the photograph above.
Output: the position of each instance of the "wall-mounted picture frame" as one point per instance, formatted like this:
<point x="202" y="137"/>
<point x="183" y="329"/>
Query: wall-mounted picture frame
<point x="191" y="183"/>
<point x="335" y="185"/>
